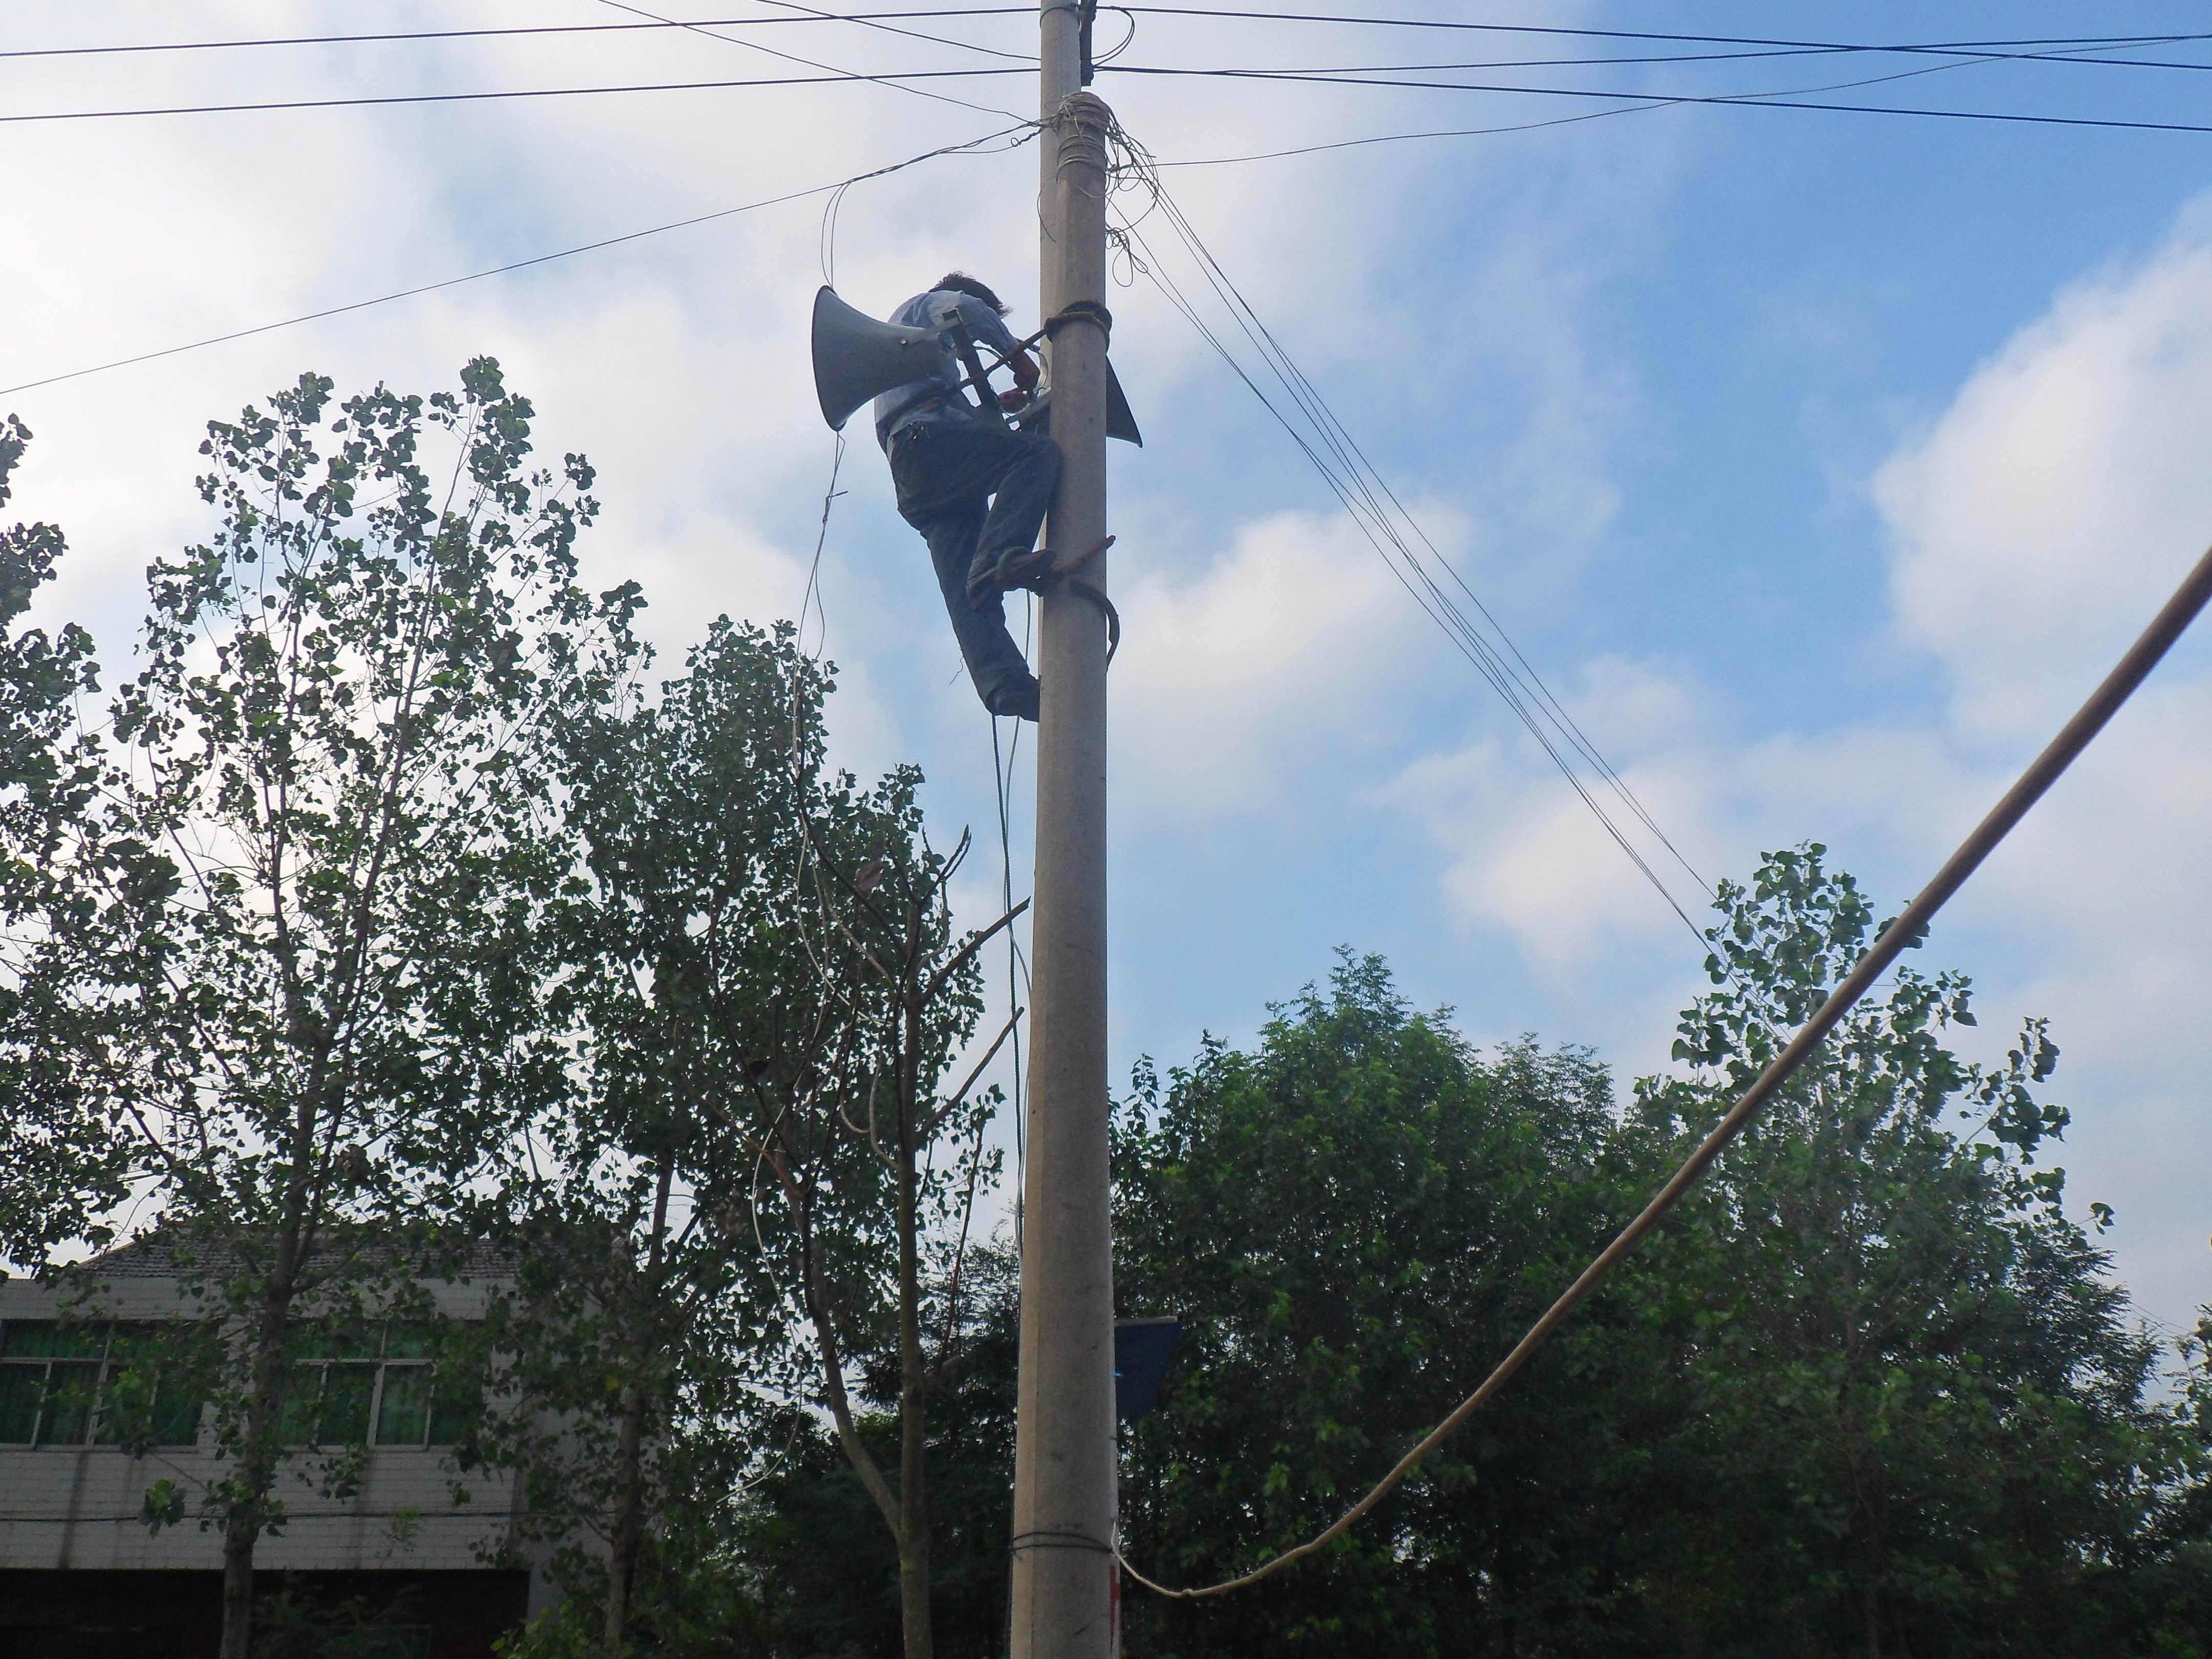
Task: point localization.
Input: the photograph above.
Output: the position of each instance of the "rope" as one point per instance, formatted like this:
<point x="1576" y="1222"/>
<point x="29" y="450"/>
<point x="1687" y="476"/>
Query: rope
<point x="1903" y="934"/>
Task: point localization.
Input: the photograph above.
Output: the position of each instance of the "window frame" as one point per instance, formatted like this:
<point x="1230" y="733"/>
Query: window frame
<point x="383" y="1364"/>
<point x="105" y="1364"/>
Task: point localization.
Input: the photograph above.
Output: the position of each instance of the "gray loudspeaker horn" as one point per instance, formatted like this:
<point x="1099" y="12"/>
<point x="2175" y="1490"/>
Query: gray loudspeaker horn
<point x="857" y="358"/>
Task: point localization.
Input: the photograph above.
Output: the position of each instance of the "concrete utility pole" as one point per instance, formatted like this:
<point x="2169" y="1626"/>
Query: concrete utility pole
<point x="1064" y="1499"/>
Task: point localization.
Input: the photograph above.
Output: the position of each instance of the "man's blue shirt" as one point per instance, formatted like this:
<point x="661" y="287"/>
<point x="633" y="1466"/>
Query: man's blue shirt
<point x="935" y="397"/>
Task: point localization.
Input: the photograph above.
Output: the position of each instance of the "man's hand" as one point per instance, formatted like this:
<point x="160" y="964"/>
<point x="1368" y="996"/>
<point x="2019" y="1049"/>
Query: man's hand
<point x="1013" y="399"/>
<point x="1026" y="371"/>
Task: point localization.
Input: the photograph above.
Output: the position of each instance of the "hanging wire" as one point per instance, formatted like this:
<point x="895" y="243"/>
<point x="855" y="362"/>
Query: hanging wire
<point x="1412" y="558"/>
<point x="1014" y="137"/>
<point x="810" y="63"/>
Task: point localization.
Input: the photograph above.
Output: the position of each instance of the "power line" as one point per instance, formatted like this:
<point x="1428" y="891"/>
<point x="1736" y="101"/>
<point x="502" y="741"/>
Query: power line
<point x="810" y="16"/>
<point x="898" y="80"/>
<point x="1025" y="131"/>
<point x="810" y="63"/>
<point x="1962" y="60"/>
<point x="1403" y="137"/>
<point x="888" y="19"/>
<point x="1778" y="92"/>
<point x="893" y="78"/>
<point x="1762" y="56"/>
<point x="1743" y="101"/>
<point x="1974" y="47"/>
<point x="1375" y="508"/>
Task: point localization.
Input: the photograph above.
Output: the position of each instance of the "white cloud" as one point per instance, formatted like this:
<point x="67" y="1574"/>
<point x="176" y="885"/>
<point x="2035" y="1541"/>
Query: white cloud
<point x="2033" y="526"/>
<point x="1292" y="657"/>
<point x="2040" y="521"/>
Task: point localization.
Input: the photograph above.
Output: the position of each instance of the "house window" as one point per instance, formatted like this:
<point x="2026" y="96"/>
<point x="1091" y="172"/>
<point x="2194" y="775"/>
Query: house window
<point x="79" y="1384"/>
<point x="377" y="1387"/>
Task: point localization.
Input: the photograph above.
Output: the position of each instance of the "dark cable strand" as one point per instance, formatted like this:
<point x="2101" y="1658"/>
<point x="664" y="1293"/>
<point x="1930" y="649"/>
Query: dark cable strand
<point x="1021" y="135"/>
<point x="1424" y="593"/>
<point x="1978" y="47"/>
<point x="811" y="16"/>
<point x="888" y="20"/>
<point x="1356" y="465"/>
<point x="808" y="62"/>
<point x="1737" y="101"/>
<point x="808" y="13"/>
<point x="892" y="78"/>
<point x="1557" y="120"/>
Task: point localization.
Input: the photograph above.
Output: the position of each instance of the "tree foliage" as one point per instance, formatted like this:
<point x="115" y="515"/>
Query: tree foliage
<point x="1870" y="1391"/>
<point x="728" y="1217"/>
<point x="279" y="943"/>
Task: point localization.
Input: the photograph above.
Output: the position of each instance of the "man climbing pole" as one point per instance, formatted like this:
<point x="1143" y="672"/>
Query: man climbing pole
<point x="975" y="488"/>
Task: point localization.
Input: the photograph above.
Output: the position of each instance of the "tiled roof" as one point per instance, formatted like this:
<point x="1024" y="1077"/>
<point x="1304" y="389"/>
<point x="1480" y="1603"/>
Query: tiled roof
<point x="162" y="1254"/>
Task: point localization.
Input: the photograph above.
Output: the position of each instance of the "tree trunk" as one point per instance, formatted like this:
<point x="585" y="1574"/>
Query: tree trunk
<point x="630" y="1448"/>
<point x="914" y="1491"/>
<point x="256" y="1469"/>
<point x="629" y="1518"/>
<point x="238" y="1540"/>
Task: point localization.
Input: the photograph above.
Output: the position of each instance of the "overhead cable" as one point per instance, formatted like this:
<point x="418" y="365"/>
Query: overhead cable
<point x="900" y="80"/>
<point x="1413" y="560"/>
<point x="809" y="15"/>
<point x="888" y="78"/>
<point x="1777" y="92"/>
<point x="1020" y="135"/>
<point x="873" y="21"/>
<point x="1975" y="47"/>
<point x="1742" y="101"/>
<point x="811" y="62"/>
<point x="890" y="20"/>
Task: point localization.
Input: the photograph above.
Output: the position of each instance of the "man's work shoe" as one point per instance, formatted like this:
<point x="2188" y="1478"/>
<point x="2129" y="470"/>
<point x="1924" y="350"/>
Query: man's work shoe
<point x="1019" y="700"/>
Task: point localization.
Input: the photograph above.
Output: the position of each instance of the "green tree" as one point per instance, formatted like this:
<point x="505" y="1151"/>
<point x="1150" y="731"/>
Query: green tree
<point x="1351" y="1222"/>
<point x="811" y="1541"/>
<point x="1870" y="1391"/>
<point x="325" y="837"/>
<point x="1920" y="1418"/>
<point x="50" y="773"/>
<point x="732" y="1210"/>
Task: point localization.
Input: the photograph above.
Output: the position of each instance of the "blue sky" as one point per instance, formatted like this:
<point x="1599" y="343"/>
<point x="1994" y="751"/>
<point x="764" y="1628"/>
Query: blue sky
<point x="1817" y="460"/>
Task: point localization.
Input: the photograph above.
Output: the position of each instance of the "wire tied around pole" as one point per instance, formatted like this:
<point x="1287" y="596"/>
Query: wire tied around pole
<point x="1081" y="123"/>
<point x="1049" y="1538"/>
<point x="1080" y="311"/>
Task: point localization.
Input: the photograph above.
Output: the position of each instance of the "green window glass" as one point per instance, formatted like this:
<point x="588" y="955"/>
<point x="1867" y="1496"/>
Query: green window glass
<point x="346" y="1342"/>
<point x="22" y="1387"/>
<point x="403" y="1415"/>
<point x="71" y="1387"/>
<point x="451" y="1407"/>
<point x="49" y="1339"/>
<point x="303" y="1401"/>
<point x="176" y="1415"/>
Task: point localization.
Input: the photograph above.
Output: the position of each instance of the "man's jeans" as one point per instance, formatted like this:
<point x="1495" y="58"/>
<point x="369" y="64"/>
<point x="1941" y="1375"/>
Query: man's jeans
<point x="946" y="471"/>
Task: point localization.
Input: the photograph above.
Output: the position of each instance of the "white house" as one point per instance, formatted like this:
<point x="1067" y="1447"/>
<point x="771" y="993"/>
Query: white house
<point x="439" y="1575"/>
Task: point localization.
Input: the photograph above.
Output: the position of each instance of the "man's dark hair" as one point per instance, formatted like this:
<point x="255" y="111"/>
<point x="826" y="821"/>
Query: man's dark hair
<point x="974" y="287"/>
